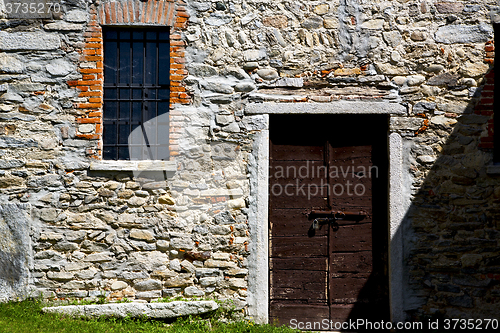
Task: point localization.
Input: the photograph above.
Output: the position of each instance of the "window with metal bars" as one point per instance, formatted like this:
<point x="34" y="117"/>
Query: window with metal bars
<point x="136" y="94"/>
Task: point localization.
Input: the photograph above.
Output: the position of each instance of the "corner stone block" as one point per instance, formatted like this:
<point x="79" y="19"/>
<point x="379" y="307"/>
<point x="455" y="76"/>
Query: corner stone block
<point x="459" y="33"/>
<point x="35" y="41"/>
<point x="148" y="285"/>
<point x="210" y="263"/>
<point x="10" y="64"/>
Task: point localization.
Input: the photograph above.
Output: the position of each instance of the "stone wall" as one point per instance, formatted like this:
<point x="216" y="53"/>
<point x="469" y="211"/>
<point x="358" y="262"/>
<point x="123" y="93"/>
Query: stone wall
<point x="16" y="254"/>
<point x="138" y="235"/>
<point x="122" y="233"/>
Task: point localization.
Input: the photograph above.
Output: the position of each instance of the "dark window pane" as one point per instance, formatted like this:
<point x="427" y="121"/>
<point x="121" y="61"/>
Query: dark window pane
<point x="124" y="93"/>
<point x="110" y="110"/>
<point x="109" y="134"/>
<point x="137" y="62"/>
<point x="138" y="35"/>
<point x="124" y="111"/>
<point x="125" y="34"/>
<point x="110" y="62"/>
<point x="164" y="35"/>
<point x="150" y="75"/>
<point x="162" y="107"/>
<point x="124" y="71"/>
<point x="136" y="111"/>
<point x="163" y="93"/>
<point x="109" y="153"/>
<point x="110" y="34"/>
<point x="110" y="93"/>
<point x="137" y="94"/>
<point x="164" y="63"/>
<point x="151" y="35"/>
<point x="124" y="131"/>
<point x="123" y="153"/>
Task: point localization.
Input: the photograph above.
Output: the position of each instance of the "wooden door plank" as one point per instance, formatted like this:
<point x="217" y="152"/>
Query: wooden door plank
<point x="309" y="292"/>
<point x="299" y="246"/>
<point x="353" y="183"/>
<point x="299" y="285"/>
<point x="308" y="263"/>
<point x="295" y="197"/>
<point x="352" y="238"/>
<point x="283" y="152"/>
<point x="298" y="278"/>
<point x="299" y="172"/>
<point x="352" y="202"/>
<point x="340" y="313"/>
<point x="283" y="313"/>
<point x="347" y="289"/>
<point x="349" y="152"/>
<point x="355" y="262"/>
<point x="293" y="222"/>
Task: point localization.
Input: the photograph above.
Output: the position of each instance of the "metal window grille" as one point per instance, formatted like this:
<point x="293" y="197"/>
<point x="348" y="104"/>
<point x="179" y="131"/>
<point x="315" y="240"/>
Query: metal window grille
<point x="136" y="94"/>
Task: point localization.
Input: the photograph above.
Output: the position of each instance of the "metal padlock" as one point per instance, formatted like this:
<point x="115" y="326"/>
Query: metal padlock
<point x="318" y="222"/>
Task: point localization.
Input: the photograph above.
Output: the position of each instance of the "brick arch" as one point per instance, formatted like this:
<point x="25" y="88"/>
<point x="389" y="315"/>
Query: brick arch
<point x="137" y="12"/>
<point x="89" y="110"/>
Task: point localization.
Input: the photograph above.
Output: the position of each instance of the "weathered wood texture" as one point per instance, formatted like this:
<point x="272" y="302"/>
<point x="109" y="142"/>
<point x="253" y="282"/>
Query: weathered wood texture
<point x="335" y="273"/>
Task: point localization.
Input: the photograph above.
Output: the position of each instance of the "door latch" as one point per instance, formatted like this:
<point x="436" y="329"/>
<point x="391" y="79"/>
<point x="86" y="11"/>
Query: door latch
<point x="318" y="222"/>
<point x="330" y="217"/>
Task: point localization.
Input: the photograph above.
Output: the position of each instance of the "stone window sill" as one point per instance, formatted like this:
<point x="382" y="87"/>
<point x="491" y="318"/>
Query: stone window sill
<point x="493" y="169"/>
<point x="148" y="165"/>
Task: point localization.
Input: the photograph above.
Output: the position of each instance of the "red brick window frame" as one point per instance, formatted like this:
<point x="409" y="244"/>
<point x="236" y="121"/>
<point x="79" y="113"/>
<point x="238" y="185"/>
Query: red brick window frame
<point x="485" y="106"/>
<point x="128" y="13"/>
<point x="496" y="102"/>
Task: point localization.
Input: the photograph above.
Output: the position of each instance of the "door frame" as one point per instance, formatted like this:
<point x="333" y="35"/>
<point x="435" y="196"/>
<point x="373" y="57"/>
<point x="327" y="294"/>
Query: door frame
<point x="258" y="166"/>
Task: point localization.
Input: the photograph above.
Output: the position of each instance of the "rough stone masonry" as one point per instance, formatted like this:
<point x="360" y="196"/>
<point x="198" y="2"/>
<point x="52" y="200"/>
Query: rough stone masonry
<point x="76" y="226"/>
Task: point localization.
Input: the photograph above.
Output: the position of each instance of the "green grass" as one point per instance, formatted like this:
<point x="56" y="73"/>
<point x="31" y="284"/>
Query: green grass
<point x="26" y="317"/>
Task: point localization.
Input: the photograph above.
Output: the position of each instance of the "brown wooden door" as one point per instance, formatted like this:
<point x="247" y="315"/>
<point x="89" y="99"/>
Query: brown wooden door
<point x="339" y="271"/>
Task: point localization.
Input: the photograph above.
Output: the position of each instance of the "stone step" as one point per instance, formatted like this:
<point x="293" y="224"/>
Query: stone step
<point x="136" y="310"/>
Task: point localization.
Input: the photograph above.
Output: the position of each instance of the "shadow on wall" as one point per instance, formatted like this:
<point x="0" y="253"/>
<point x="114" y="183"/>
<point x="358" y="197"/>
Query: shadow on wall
<point x="450" y="231"/>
